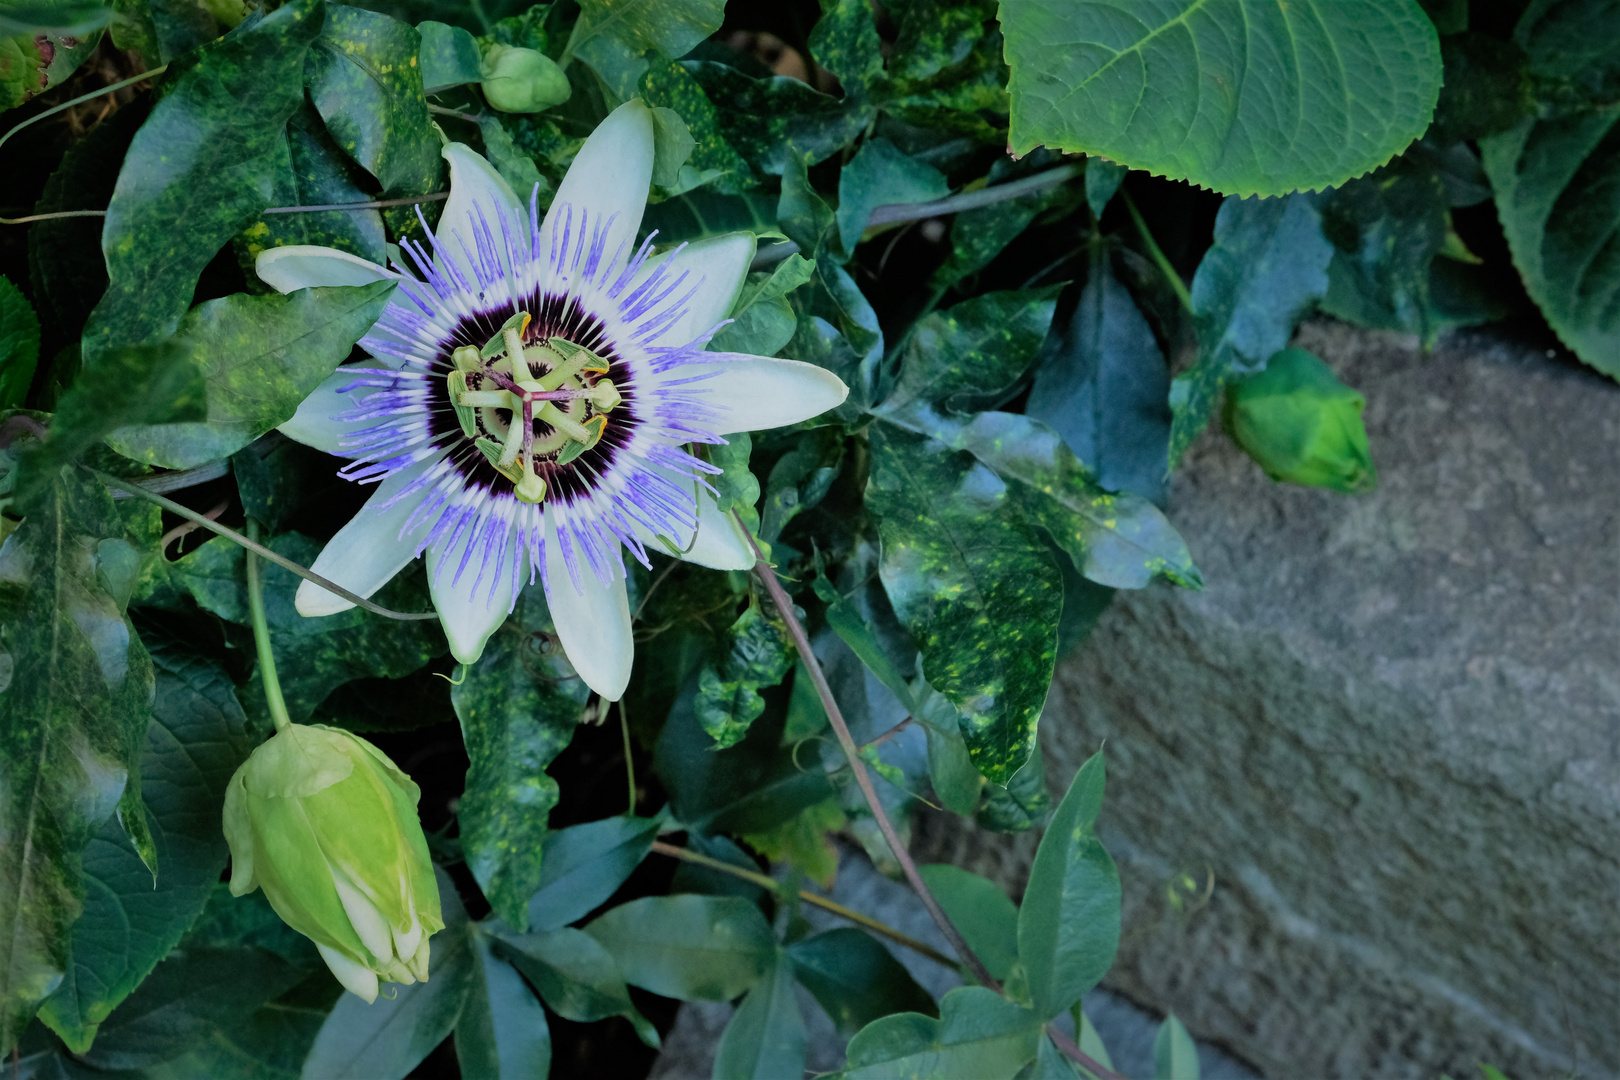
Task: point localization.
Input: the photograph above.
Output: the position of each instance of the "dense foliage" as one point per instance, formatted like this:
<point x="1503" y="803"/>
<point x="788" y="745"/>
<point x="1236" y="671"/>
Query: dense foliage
<point x="1026" y="359"/>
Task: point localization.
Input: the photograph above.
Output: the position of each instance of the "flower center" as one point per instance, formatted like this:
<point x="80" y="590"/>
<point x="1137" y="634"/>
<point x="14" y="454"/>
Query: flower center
<point x="556" y="382"/>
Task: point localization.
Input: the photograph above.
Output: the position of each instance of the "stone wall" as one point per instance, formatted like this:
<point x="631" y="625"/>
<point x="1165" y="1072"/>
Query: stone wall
<point x="1389" y="729"/>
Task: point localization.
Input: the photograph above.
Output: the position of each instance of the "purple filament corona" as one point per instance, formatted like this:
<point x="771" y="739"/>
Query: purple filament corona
<point x="635" y="483"/>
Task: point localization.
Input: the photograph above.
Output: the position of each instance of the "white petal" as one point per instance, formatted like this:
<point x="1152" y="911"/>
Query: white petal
<point x="363" y="915"/>
<point x="753" y="393"/>
<point x="479" y="198"/>
<point x="470" y="609"/>
<point x="368" y="551"/>
<point x="720" y="543"/>
<point x="721" y="263"/>
<point x="356" y="979"/>
<point x="609" y="176"/>
<point x="304" y="266"/>
<point x="593" y="624"/>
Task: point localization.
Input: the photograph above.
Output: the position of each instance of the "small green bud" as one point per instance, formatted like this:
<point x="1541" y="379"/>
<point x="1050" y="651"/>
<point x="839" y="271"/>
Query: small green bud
<point x="327" y="825"/>
<point x="1301" y="424"/>
<point x="522" y="80"/>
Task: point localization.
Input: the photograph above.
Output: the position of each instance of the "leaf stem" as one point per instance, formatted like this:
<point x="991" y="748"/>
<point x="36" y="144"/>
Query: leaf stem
<point x="863" y="780"/>
<point x="254" y="546"/>
<point x="1178" y="286"/>
<point x="261" y="637"/>
<point x="813" y="899"/>
<point x="376" y="204"/>
<point x="629" y="762"/>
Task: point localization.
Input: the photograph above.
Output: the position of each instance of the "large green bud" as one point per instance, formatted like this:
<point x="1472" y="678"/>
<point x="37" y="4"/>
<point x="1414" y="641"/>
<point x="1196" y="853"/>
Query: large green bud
<point x="522" y="80"/>
<point x="327" y="825"/>
<point x="1301" y="424"/>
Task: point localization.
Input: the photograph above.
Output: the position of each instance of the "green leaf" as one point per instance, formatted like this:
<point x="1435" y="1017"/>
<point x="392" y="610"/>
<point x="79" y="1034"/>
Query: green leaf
<point x="32" y="62"/>
<point x="801" y="478"/>
<point x="983" y="913"/>
<point x="1122" y="541"/>
<point x="1175" y="1055"/>
<point x="184" y="1001"/>
<point x="856" y="979"/>
<point x="758" y="655"/>
<point x="672" y="145"/>
<point x="1103" y="178"/>
<point x="366" y="82"/>
<point x="945" y="70"/>
<point x="1553" y="178"/>
<point x="847" y="623"/>
<point x="979" y="1036"/>
<point x="585" y="864"/>
<point x="1488" y="88"/>
<point x="975" y="352"/>
<point x="316" y="172"/>
<point x="879" y="174"/>
<point x="693" y="878"/>
<point x="956" y="780"/>
<point x="804" y="841"/>
<point x="978" y="236"/>
<point x="1312" y="94"/>
<point x="449" y="56"/>
<point x="518" y="707"/>
<point x="698" y="215"/>
<point x="160" y="382"/>
<point x="1103" y="388"/>
<point x="261" y="356"/>
<point x="74" y="707"/>
<point x="199" y="171"/>
<point x="314" y="656"/>
<point x="1021" y="803"/>
<point x="194" y="744"/>
<point x="693" y="948"/>
<point x="515" y="167"/>
<point x="770" y="121"/>
<point x="269" y="1043"/>
<point x="1089" y="1041"/>
<point x="70" y="17"/>
<point x="19" y="345"/>
<point x="386" y="1039"/>
<point x="668" y="85"/>
<point x="502" y="1031"/>
<point x="576" y="976"/>
<point x="1265" y="270"/>
<point x="612" y="36"/>
<point x="762" y="321"/>
<point x="1068" y="926"/>
<point x="765" y="1039"/>
<point x="751" y="787"/>
<point x="972" y="583"/>
<point x="736" y="487"/>
<point x="845" y="42"/>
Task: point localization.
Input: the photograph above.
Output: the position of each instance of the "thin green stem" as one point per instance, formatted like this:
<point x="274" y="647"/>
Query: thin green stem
<point x="254" y="546"/>
<point x="629" y="761"/>
<point x="813" y="899"/>
<point x="261" y="637"/>
<point x="375" y="204"/>
<point x="1156" y="254"/>
<point x="54" y="109"/>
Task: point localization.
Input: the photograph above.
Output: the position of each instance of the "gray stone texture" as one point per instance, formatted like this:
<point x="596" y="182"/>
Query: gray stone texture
<point x="1388" y="730"/>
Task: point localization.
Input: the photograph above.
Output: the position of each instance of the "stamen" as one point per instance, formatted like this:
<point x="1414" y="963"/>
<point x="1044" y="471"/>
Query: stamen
<point x="466" y="359"/>
<point x="466" y="415"/>
<point x="596" y="425"/>
<point x="498" y="344"/>
<point x="572" y="428"/>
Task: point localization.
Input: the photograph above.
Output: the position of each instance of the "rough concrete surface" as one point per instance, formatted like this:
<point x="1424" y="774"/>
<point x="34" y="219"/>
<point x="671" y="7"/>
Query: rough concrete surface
<point x="1388" y="730"/>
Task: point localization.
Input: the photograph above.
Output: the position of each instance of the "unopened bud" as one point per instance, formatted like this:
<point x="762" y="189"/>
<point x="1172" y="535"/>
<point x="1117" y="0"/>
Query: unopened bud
<point x="522" y="80"/>
<point x="327" y="824"/>
<point x="1301" y="424"/>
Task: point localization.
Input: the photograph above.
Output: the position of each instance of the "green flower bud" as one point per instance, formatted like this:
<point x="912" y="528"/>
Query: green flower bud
<point x="327" y="825"/>
<point x="522" y="80"/>
<point x="1301" y="424"/>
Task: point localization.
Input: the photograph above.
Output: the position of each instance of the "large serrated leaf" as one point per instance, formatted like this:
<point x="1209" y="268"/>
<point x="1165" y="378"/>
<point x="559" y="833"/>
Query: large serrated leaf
<point x="1554" y="178"/>
<point x="1249" y="97"/>
<point x="518" y="707"/>
<point x="76" y="700"/>
<point x="974" y="585"/>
